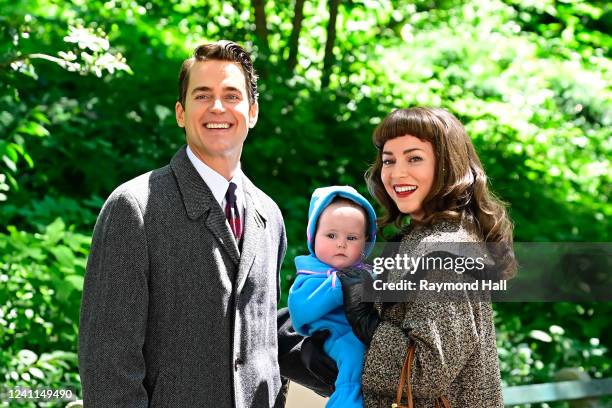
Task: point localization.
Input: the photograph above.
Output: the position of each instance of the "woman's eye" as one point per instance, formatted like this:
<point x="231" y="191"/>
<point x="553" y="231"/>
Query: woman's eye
<point x="387" y="162"/>
<point x="414" y="159"/>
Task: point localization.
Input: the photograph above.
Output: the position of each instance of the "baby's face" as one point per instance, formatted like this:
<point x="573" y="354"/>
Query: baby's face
<point x="340" y="237"/>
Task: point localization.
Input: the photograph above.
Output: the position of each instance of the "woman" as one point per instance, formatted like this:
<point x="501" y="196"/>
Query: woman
<point x="427" y="169"/>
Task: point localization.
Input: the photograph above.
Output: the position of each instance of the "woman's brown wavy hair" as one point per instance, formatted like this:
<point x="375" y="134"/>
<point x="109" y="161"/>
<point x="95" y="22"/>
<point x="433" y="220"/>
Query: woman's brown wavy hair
<point x="459" y="190"/>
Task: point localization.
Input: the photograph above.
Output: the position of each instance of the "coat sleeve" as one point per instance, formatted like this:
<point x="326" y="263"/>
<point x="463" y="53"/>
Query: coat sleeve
<point x="114" y="308"/>
<point x="444" y="334"/>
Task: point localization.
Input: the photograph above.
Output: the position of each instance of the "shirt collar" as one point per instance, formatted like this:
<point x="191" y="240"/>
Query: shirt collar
<point x="216" y="182"/>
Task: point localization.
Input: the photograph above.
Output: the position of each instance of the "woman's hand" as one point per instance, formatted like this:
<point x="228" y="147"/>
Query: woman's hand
<point x="362" y="316"/>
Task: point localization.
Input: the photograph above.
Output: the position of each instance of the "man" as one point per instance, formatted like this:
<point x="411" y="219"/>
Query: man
<point x="180" y="295"/>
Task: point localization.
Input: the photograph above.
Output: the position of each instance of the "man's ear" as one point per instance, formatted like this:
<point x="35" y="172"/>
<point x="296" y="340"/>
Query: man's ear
<point x="253" y="114"/>
<point x="180" y="114"/>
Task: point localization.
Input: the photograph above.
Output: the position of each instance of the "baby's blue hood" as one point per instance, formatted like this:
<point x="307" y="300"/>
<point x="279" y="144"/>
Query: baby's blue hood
<point x="323" y="196"/>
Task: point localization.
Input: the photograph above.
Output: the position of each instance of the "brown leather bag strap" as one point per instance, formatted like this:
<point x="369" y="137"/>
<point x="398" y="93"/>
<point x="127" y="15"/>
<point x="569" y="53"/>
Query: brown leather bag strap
<point x="442" y="402"/>
<point x="406" y="380"/>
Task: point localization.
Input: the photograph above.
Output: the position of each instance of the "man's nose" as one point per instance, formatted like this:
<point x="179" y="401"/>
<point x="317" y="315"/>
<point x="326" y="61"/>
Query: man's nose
<point x="217" y="106"/>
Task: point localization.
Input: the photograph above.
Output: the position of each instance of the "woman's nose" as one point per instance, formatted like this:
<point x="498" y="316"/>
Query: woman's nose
<point x="400" y="170"/>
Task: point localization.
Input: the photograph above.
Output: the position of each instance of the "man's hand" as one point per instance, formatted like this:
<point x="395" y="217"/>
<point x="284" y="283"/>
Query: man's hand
<point x="362" y="316"/>
<point x="317" y="361"/>
<point x="302" y="359"/>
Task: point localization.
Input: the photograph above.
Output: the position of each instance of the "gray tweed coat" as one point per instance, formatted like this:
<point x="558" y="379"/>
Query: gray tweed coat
<point x="456" y="353"/>
<point x="172" y="314"/>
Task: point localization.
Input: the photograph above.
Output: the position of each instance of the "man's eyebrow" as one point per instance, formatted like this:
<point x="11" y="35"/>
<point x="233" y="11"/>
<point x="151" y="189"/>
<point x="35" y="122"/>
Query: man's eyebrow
<point x="231" y="89"/>
<point x="405" y="151"/>
<point x="209" y="89"/>
<point x="201" y="89"/>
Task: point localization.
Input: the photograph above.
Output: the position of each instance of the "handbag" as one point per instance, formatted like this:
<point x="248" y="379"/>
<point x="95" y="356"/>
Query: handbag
<point x="441" y="402"/>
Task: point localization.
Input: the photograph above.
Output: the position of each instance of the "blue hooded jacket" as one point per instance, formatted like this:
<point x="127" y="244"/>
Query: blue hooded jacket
<point x="306" y="304"/>
<point x="315" y="300"/>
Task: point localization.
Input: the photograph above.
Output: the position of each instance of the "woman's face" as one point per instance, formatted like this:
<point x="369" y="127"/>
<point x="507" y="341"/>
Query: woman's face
<point x="408" y="170"/>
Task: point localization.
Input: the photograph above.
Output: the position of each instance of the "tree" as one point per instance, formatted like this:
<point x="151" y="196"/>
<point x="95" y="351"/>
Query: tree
<point x="296" y="27"/>
<point x="261" y="32"/>
<point x="328" y="59"/>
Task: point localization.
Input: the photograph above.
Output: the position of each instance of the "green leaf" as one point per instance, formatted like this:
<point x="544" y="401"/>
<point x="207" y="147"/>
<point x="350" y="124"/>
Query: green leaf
<point x="5" y="118"/>
<point x="76" y="281"/>
<point x="540" y="335"/>
<point x="40" y="117"/>
<point x="58" y="355"/>
<point x="9" y="163"/>
<point x="12" y="152"/>
<point x="55" y="231"/>
<point x="27" y="357"/>
<point x="64" y="256"/>
<point x="37" y="372"/>
<point x="28" y="160"/>
<point x="33" y="129"/>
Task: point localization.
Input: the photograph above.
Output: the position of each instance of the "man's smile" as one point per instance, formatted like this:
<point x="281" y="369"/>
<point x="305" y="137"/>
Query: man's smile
<point x="217" y="125"/>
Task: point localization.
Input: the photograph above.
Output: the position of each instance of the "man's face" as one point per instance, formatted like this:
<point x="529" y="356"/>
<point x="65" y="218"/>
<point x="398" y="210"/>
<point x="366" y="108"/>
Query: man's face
<point x="216" y="115"/>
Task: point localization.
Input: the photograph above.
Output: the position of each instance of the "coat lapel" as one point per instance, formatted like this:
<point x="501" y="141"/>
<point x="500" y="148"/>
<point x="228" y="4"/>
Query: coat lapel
<point x="254" y="232"/>
<point x="199" y="201"/>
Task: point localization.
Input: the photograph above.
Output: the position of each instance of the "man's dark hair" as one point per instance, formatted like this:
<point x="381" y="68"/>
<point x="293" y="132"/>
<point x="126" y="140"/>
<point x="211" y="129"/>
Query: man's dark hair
<point x="221" y="50"/>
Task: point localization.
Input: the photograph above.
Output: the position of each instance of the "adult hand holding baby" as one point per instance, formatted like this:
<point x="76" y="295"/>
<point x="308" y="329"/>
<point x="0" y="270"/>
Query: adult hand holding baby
<point x="362" y="316"/>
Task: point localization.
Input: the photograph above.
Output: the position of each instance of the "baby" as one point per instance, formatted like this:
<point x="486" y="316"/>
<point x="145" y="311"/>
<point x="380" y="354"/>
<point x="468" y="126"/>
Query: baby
<point x="341" y="233"/>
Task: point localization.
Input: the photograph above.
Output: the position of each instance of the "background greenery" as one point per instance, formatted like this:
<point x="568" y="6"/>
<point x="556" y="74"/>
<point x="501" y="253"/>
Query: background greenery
<point x="87" y="92"/>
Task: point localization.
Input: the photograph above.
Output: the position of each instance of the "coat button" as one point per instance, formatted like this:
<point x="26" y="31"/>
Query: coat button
<point x="238" y="362"/>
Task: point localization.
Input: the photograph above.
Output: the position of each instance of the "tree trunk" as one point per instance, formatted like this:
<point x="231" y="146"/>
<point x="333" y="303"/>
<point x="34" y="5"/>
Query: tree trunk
<point x="328" y="59"/>
<point x="261" y="32"/>
<point x="298" y="16"/>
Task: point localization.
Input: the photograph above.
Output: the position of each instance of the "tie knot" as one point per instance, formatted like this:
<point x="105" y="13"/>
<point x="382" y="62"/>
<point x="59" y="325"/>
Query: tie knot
<point x="230" y="196"/>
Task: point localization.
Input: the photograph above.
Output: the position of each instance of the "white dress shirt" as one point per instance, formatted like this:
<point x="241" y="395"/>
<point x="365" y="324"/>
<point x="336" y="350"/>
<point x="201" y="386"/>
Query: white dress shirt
<point x="219" y="185"/>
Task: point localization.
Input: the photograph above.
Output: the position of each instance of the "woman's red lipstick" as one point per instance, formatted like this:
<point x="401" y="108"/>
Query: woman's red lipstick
<point x="404" y="190"/>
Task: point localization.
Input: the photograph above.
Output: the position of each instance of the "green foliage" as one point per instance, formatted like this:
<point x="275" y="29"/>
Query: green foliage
<point x="554" y="336"/>
<point x="42" y="281"/>
<point x="529" y="113"/>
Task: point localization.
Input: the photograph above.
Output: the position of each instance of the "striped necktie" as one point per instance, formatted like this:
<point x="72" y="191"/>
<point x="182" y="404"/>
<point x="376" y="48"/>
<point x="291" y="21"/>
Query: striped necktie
<point x="231" y="212"/>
